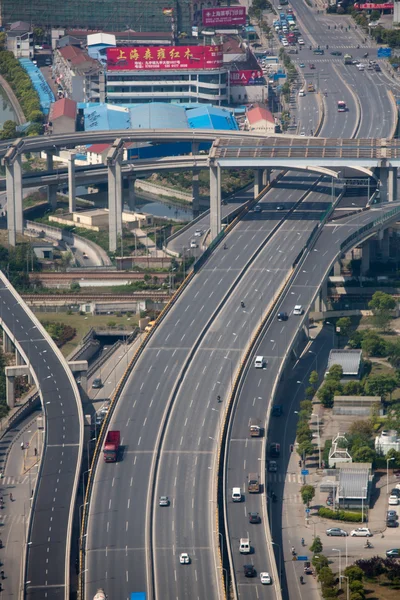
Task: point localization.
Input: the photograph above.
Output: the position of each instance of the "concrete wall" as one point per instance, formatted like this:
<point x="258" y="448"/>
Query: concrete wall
<point x="160" y="190"/>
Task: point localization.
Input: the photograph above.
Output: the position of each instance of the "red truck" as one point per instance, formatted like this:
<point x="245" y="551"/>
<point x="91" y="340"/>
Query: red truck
<point x="111" y="446"/>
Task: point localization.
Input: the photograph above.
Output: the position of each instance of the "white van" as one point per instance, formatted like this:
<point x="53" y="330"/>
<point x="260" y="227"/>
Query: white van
<point x="244" y="546"/>
<point x="259" y="362"/>
<point x="236" y="494"/>
<point x="302" y="93"/>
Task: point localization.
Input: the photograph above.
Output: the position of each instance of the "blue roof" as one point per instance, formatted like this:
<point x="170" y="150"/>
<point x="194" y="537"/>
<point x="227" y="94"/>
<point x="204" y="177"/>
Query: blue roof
<point x="46" y="96"/>
<point x="212" y="117"/>
<point x="106" y="117"/>
<point x="158" y="115"/>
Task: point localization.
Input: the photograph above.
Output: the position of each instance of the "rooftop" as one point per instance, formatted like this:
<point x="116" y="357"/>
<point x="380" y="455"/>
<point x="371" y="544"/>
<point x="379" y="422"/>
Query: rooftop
<point x="158" y="115"/>
<point x="98" y="148"/>
<point x="78" y="58"/>
<point x="353" y="483"/>
<point x="63" y="108"/>
<point x="211" y="117"/>
<point x="259" y="113"/>
<point x="20" y="26"/>
<point x="101" y="39"/>
<point x="349" y="360"/>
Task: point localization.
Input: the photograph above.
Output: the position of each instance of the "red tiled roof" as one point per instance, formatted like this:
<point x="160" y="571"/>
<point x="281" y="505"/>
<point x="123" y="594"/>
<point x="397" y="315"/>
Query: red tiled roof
<point x="63" y="108"/>
<point x="98" y="148"/>
<point x="259" y="113"/>
<point x="75" y="55"/>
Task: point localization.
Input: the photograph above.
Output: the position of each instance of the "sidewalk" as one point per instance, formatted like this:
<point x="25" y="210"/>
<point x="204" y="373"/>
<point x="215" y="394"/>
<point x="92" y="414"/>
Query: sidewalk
<point x="17" y="485"/>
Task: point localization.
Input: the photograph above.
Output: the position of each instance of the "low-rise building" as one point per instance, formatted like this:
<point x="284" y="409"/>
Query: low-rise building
<point x="20" y="40"/>
<point x="387" y="440"/>
<point x="260" y="119"/>
<point x="97" y="44"/>
<point x="80" y="77"/>
<point x="62" y="116"/>
<point x="349" y="360"/>
<point x="353" y="486"/>
<point x="360" y="406"/>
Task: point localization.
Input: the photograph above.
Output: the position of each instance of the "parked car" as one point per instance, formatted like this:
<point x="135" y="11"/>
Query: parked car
<point x="395" y="492"/>
<point x="392" y="523"/>
<point x="336" y="531"/>
<point x="361" y="532"/>
<point x="392" y="514"/>
<point x="393" y="553"/>
<point x="393" y="500"/>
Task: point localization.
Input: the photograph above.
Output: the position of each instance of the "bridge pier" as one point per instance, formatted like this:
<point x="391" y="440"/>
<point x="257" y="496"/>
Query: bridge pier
<point x="337" y="267"/>
<point x="258" y="181"/>
<point x="51" y="189"/>
<point x="114" y="158"/>
<point x="266" y="177"/>
<point x="195" y="183"/>
<point x="11" y="374"/>
<point x="71" y="183"/>
<point x="215" y="201"/>
<point x="388" y="189"/>
<point x="14" y="198"/>
<point x="8" y="346"/>
<point x="131" y="192"/>
<point x="384" y="240"/>
<point x="365" y="258"/>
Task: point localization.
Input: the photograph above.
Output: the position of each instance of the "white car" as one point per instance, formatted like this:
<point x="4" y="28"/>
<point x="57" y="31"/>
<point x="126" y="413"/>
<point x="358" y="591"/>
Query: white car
<point x="298" y="310"/>
<point x="285" y="43"/>
<point x="397" y="486"/>
<point x="361" y="532"/>
<point x="265" y="578"/>
<point x="300" y="41"/>
<point x="198" y="233"/>
<point x="193" y="244"/>
<point x="393" y="500"/>
<point x="184" y="558"/>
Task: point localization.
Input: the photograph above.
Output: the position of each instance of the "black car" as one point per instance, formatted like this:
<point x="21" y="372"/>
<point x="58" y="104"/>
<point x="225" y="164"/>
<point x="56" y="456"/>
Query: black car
<point x="392" y="523"/>
<point x="392" y="514"/>
<point x="336" y="53"/>
<point x="282" y="316"/>
<point x="249" y="571"/>
<point x="395" y="492"/>
<point x="254" y="518"/>
<point x="97" y="384"/>
<point x="393" y="553"/>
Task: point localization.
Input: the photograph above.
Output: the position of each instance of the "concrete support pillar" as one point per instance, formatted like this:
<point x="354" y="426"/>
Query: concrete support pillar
<point x="365" y="258"/>
<point x="19" y="215"/>
<point x="118" y="194"/>
<point x="266" y="177"/>
<point x="392" y="184"/>
<point x="384" y="239"/>
<point x="337" y="268"/>
<point x="8" y="346"/>
<point x="12" y="232"/>
<point x="71" y="182"/>
<point x="195" y="193"/>
<point x="258" y="182"/>
<point x="10" y="391"/>
<point x="131" y="193"/>
<point x="52" y="195"/>
<point x="324" y="296"/>
<point x="114" y="204"/>
<point x="84" y="382"/>
<point x="49" y="160"/>
<point x="18" y="358"/>
<point x="317" y="303"/>
<point x="215" y="201"/>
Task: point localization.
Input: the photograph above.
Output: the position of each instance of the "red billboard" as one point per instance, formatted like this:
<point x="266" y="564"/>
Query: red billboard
<point x="151" y="58"/>
<point x="373" y="6"/>
<point x="224" y="16"/>
<point x="246" y="77"/>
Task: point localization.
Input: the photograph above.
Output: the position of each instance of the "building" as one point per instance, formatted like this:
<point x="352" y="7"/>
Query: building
<point x="387" y="440"/>
<point x="260" y="119"/>
<point x="97" y="154"/>
<point x="178" y="74"/>
<point x="97" y="44"/>
<point x="67" y="40"/>
<point x="349" y="360"/>
<point x="79" y="76"/>
<point x="20" y="40"/>
<point x="63" y="116"/>
<point x="112" y="15"/>
<point x="247" y="83"/>
<point x="360" y="406"/>
<point x="43" y="250"/>
<point x="211" y="117"/>
<point x="353" y="486"/>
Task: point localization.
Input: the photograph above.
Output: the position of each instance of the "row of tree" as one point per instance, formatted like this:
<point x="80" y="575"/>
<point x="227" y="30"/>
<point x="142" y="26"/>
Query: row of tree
<point x="26" y="94"/>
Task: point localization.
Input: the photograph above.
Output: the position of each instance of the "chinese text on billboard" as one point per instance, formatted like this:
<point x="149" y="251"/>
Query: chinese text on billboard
<point x="164" y="57"/>
<point x="224" y="16"/>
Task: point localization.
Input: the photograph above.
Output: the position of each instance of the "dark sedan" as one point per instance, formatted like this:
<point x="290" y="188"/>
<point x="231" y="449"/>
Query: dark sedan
<point x="336" y="53"/>
<point x="254" y="518"/>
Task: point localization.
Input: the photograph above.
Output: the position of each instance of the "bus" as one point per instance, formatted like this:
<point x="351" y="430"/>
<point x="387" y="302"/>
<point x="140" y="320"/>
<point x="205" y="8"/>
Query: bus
<point x="341" y="106"/>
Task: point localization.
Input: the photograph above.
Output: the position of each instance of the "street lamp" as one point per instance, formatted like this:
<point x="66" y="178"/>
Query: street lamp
<point x="87" y="450"/>
<point x="83" y="481"/>
<point x="387" y="472"/>
<point x="319" y="440"/>
<point x="316" y="359"/>
<point x="340" y="561"/>
<point x="348" y="587"/>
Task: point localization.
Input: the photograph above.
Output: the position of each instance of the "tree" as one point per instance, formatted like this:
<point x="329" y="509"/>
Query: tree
<point x="9" y="130"/>
<point x="363" y="428"/>
<point x="326" y="577"/>
<point x="381" y="303"/>
<point x="352" y="388"/>
<point x="380" y="385"/>
<point x="357" y="586"/>
<point x="306" y="405"/>
<point x="373" y="345"/>
<point x="344" y="323"/>
<point x="364" y="454"/>
<point x="316" y="546"/>
<point x="75" y="287"/>
<point x="305" y="449"/>
<point x="314" y="378"/>
<point x="310" y="391"/>
<point x="354" y="573"/>
<point x="334" y="373"/>
<point x="307" y="493"/>
<point x="356" y="339"/>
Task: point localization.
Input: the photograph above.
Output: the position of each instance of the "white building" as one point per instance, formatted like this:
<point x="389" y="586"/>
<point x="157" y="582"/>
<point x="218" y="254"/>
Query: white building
<point x="20" y="40"/>
<point x="81" y="77"/>
<point x="386" y="441"/>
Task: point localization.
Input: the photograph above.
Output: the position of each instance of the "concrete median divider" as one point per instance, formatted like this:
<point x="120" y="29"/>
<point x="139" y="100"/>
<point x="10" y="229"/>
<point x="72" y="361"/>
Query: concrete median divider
<point x="356" y="102"/>
<point x="395" y="110"/>
<point x="322" y="111"/>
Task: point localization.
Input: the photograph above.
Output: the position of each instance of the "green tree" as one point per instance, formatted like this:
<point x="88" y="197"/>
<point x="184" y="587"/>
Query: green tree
<point x="356" y="339"/>
<point x="326" y="577"/>
<point x="305" y="449"/>
<point x="316" y="546"/>
<point x="334" y="373"/>
<point x="344" y="323"/>
<point x="314" y="378"/>
<point x="306" y="406"/>
<point x="380" y="304"/>
<point x="9" y="130"/>
<point x="364" y="454"/>
<point x="75" y="287"/>
<point x="380" y="385"/>
<point x="357" y="596"/>
<point x="352" y="388"/>
<point x="363" y="428"/>
<point x="354" y="573"/>
<point x="307" y="493"/>
<point x="357" y="586"/>
<point x="373" y="345"/>
<point x="319" y="561"/>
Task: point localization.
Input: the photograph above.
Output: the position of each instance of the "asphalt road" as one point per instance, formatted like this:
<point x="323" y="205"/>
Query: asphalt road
<point x="120" y="490"/>
<point x="47" y="552"/>
<point x="245" y="455"/>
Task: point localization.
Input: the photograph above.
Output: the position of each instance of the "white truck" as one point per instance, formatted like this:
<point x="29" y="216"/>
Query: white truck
<point x="100" y="595"/>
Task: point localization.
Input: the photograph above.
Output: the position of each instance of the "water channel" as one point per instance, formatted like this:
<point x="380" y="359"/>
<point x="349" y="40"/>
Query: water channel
<point x="6" y="109"/>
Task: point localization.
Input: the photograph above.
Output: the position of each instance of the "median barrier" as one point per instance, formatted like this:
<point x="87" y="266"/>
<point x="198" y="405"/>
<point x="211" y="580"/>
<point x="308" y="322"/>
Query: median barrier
<point x="395" y="113"/>
<point x="322" y="110"/>
<point x="356" y="102"/>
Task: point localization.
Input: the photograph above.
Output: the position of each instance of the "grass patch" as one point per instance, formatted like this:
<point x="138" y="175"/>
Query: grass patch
<point x="83" y="323"/>
<point x="375" y="591"/>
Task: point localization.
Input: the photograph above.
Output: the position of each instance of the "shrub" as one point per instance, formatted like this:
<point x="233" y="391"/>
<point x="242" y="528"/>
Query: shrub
<point x="339" y="515"/>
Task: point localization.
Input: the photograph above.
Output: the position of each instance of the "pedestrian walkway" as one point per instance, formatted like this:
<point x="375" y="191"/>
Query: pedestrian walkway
<point x="16" y="489"/>
<point x="148" y="243"/>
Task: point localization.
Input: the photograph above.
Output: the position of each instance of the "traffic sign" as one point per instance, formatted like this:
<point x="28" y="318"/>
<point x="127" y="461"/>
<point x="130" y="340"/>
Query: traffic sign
<point x="308" y="510"/>
<point x="305" y="472"/>
<point x="302" y="558"/>
<point x="384" y="52"/>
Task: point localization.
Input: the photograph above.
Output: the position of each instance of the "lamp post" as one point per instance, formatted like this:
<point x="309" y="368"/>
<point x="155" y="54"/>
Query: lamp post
<point x="319" y="444"/>
<point x="362" y="503"/>
<point x="348" y="587"/>
<point x="340" y="561"/>
<point x="280" y="562"/>
<point x="387" y="473"/>
<point x="87" y="450"/>
<point x="316" y="359"/>
<point x="83" y="481"/>
<point x="226" y="576"/>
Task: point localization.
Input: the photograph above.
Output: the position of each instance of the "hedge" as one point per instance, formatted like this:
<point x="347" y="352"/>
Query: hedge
<point x="339" y="515"/>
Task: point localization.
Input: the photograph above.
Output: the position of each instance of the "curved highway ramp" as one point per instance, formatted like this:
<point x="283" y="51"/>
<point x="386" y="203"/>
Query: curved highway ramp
<point x="47" y="568"/>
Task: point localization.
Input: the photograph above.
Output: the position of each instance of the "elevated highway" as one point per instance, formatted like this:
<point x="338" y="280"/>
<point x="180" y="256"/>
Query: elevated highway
<point x="48" y="537"/>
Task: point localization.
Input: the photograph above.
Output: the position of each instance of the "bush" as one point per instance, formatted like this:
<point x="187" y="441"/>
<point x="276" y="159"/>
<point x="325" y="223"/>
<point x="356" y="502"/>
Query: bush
<point x="339" y="515"/>
<point x="20" y="82"/>
<point x="60" y="332"/>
